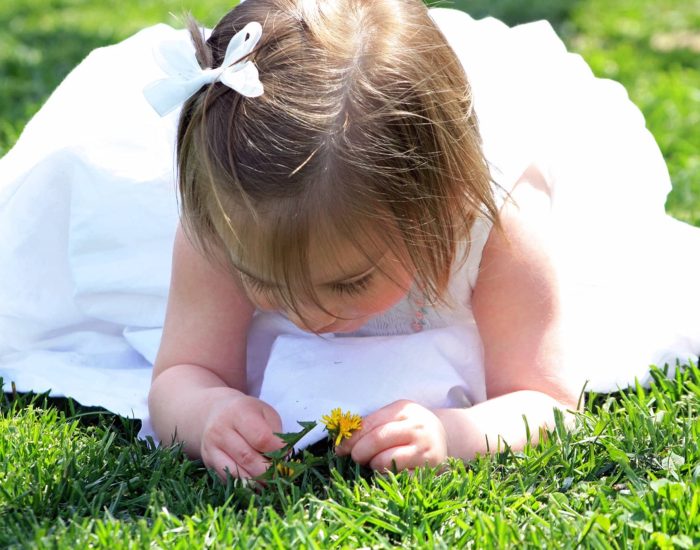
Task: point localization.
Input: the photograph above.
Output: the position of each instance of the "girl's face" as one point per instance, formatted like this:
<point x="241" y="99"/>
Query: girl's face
<point x="350" y="291"/>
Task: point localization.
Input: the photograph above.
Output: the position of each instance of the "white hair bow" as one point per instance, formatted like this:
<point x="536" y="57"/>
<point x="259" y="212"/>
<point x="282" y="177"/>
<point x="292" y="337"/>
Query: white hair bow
<point x="185" y="76"/>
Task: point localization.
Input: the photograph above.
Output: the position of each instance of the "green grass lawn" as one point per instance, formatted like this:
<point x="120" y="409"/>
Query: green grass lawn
<point x="627" y="477"/>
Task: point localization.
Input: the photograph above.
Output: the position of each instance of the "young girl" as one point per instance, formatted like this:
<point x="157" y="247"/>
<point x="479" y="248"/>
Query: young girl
<point x="365" y="226"/>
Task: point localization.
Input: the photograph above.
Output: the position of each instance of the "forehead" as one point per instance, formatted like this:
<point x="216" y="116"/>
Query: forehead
<point x="299" y="242"/>
<point x="326" y="259"/>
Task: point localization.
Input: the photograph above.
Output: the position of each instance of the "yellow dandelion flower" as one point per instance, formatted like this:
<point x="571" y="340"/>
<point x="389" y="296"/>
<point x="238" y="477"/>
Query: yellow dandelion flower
<point x="340" y="425"/>
<point x="285" y="469"/>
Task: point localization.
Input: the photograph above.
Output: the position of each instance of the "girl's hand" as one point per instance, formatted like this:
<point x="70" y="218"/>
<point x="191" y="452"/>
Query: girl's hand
<point x="401" y="436"/>
<point x="238" y="430"/>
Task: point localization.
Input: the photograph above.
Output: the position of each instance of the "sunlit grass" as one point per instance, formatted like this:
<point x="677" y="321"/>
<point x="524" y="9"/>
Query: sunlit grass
<point x="628" y="475"/>
<point x="653" y="48"/>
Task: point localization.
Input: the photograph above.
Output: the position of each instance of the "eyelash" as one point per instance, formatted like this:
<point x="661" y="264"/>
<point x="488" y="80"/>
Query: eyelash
<point x="348" y="289"/>
<point x="256" y="286"/>
<point x="354" y="288"/>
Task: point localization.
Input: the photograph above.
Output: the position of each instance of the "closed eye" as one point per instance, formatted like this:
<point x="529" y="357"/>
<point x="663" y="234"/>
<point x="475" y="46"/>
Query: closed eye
<point x="256" y="285"/>
<point x="353" y="288"/>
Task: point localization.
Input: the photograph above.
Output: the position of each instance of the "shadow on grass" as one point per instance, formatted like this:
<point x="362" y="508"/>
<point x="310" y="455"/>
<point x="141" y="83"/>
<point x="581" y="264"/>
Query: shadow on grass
<point x="11" y="401"/>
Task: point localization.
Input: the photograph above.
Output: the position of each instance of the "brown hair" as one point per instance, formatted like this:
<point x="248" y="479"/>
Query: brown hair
<point x="365" y="130"/>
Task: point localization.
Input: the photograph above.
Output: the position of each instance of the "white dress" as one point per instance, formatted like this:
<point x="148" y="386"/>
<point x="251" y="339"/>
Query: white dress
<point x="88" y="212"/>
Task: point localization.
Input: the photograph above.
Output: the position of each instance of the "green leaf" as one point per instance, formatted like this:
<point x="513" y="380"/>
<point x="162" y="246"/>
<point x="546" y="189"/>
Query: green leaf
<point x="662" y="540"/>
<point x="672" y="461"/>
<point x="617" y="455"/>
<point x="603" y="522"/>
<point x="682" y="541"/>
<point x="290" y="439"/>
<point x="670" y="489"/>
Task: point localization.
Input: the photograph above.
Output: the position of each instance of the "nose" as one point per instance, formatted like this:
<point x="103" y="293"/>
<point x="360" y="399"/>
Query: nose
<point x="313" y="321"/>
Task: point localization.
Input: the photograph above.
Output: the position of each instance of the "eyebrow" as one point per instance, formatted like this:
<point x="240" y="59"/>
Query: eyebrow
<point x="344" y="280"/>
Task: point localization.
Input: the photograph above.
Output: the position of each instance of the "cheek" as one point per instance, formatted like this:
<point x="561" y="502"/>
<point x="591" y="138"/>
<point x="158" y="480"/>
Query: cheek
<point x="387" y="299"/>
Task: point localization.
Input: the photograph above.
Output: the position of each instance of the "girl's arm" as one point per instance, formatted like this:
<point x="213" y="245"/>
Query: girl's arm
<point x="518" y="311"/>
<point x="197" y="394"/>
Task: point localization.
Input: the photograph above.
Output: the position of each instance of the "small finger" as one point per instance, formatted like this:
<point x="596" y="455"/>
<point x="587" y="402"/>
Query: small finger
<point x="395" y="411"/>
<point x="244" y="455"/>
<point x="346" y="446"/>
<point x="382" y="437"/>
<point x="259" y="435"/>
<point x="390" y="413"/>
<point x="396" y="459"/>
<point x="224" y="466"/>
<point x="272" y="418"/>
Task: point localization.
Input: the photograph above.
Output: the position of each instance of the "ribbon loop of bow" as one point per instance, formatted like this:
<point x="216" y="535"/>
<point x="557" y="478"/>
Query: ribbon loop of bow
<point x="185" y="77"/>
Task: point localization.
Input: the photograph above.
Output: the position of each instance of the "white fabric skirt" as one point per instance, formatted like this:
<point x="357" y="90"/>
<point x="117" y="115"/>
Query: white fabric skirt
<point x="629" y="272"/>
<point x="88" y="211"/>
